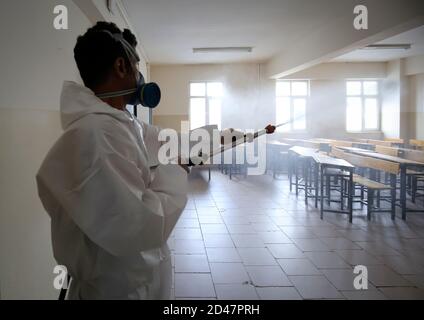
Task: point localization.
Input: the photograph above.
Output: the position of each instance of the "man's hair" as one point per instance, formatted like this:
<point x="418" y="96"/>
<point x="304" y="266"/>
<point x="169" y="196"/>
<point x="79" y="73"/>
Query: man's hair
<point x="96" y="51"/>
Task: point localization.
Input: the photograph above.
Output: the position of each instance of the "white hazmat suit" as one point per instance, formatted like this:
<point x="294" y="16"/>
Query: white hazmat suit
<point x="110" y="214"/>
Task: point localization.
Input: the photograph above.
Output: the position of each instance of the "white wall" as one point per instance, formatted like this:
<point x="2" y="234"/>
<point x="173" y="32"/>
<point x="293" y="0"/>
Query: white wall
<point x="414" y="69"/>
<point x="390" y="121"/>
<point x="35" y="60"/>
<point x="414" y="65"/>
<point x="342" y="71"/>
<point x="416" y="83"/>
<point x="399" y="108"/>
<point x="34" y="63"/>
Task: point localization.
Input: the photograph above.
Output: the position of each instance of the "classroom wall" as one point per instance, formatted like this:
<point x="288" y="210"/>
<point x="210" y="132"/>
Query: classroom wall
<point x="327" y="105"/>
<point x="414" y="70"/>
<point x="414" y="65"/>
<point x="249" y="101"/>
<point x="402" y="112"/>
<point x="36" y="59"/>
<point x="416" y="83"/>
<point x="390" y="108"/>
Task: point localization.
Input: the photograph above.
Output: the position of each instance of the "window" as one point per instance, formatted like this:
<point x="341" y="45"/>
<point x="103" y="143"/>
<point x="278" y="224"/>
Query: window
<point x="205" y="104"/>
<point x="362" y="105"/>
<point x="291" y="102"/>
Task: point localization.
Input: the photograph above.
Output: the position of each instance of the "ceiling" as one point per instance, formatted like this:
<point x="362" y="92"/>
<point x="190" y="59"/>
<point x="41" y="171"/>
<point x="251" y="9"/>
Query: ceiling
<point x="415" y="37"/>
<point x="170" y="29"/>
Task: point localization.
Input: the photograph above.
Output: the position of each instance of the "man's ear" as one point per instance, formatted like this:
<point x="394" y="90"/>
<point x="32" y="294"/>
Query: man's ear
<point x="120" y="67"/>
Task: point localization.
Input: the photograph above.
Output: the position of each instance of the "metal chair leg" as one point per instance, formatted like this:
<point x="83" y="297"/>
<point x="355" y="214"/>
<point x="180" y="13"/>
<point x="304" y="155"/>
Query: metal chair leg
<point x="370" y="198"/>
<point x="328" y="189"/>
<point x="393" y="195"/>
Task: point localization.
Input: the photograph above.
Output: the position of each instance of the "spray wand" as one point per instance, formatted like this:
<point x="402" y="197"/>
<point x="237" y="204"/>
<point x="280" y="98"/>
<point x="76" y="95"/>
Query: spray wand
<point x="203" y="158"/>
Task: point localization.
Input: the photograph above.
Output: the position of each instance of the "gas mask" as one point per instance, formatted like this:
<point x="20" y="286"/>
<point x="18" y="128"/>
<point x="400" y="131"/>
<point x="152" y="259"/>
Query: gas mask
<point x="146" y="94"/>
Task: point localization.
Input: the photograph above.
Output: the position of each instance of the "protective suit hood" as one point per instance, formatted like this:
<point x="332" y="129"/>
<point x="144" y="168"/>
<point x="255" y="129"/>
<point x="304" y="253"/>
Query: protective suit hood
<point x="77" y="101"/>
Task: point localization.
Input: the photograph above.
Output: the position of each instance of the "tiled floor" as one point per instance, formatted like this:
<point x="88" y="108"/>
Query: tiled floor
<point x="250" y="238"/>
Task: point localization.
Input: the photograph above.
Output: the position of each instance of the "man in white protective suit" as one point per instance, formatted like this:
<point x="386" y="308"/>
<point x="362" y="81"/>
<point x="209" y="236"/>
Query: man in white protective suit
<point x="111" y="214"/>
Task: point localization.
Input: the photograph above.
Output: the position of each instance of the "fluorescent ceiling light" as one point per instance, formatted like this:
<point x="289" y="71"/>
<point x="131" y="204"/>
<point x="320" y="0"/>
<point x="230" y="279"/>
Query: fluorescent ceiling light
<point x="402" y="46"/>
<point x="222" y="49"/>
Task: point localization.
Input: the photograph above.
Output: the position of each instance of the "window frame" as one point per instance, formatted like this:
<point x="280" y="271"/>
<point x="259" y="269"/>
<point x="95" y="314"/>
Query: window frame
<point x="207" y="98"/>
<point x="292" y="98"/>
<point x="363" y="97"/>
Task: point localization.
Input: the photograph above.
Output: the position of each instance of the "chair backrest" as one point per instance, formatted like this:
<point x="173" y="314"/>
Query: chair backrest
<point x="380" y="143"/>
<point x="340" y="143"/>
<point x="311" y="144"/>
<point x="414" y="155"/>
<point x="366" y="162"/>
<point x="396" y="140"/>
<point x="416" y="143"/>
<point x="387" y="150"/>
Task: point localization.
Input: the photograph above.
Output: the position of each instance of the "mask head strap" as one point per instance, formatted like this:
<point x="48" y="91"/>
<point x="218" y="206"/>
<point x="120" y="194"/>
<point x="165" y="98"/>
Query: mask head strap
<point x="131" y="55"/>
<point x="116" y="93"/>
<point x="129" y="50"/>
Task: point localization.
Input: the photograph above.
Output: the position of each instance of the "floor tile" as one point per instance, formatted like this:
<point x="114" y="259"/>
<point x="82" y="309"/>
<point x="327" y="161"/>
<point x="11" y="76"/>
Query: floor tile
<point x="299" y="232"/>
<point x="340" y="244"/>
<point x="223" y="255"/>
<point x="256" y="256"/>
<point x="227" y="273"/>
<point x="208" y="212"/>
<point x="240" y="229"/>
<point x="188" y="234"/>
<point x="274" y="237"/>
<point x="377" y="249"/>
<point x="364" y="295"/>
<point x="191" y="263"/>
<point x="327" y="260"/>
<point x="267" y="276"/>
<point x="403" y="293"/>
<point x="230" y="220"/>
<point x="358" y="257"/>
<point x="356" y="235"/>
<point x="187" y="223"/>
<point x="285" y="250"/>
<point x="402" y="265"/>
<point x="189" y="214"/>
<point x="194" y="285"/>
<point x="278" y="293"/>
<point x="343" y="279"/>
<point x="218" y="241"/>
<point x="236" y="292"/>
<point x="325" y="232"/>
<point x="210" y="220"/>
<point x="298" y="267"/>
<point x="184" y="246"/>
<point x="310" y="245"/>
<point x="416" y="280"/>
<point x="315" y="287"/>
<point x="247" y="241"/>
<point x="213" y="228"/>
<point x="381" y="276"/>
<point x="264" y="226"/>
